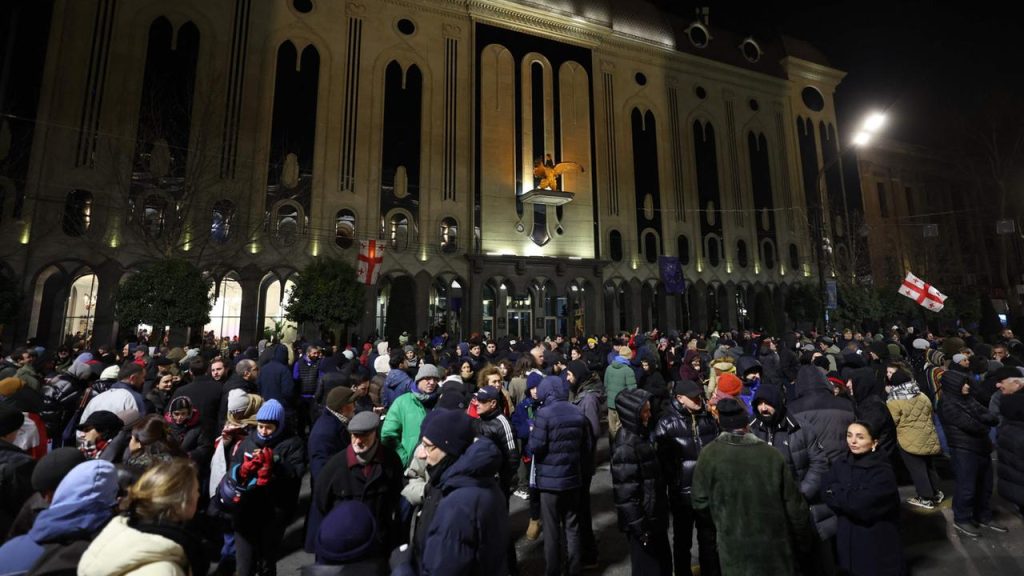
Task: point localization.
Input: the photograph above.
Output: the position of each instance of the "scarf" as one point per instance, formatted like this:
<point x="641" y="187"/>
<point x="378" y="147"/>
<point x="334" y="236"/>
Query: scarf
<point x="230" y="437"/>
<point x="367" y="457"/>
<point x="905" y="391"/>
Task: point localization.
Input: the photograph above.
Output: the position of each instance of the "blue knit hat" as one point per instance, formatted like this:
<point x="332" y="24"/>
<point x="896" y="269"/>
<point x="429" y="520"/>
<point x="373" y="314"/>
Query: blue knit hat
<point x="347" y="533"/>
<point x="271" y="411"/>
<point x="449" y="430"/>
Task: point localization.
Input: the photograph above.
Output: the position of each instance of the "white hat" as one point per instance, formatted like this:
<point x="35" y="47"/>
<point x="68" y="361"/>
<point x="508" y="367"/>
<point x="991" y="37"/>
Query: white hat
<point x="921" y="344"/>
<point x="110" y="373"/>
<point x="238" y="400"/>
<point x="382" y="364"/>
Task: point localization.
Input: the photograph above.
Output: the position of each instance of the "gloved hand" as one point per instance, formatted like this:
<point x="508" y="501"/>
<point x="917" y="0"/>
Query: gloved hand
<point x="250" y="465"/>
<point x="266" y="469"/>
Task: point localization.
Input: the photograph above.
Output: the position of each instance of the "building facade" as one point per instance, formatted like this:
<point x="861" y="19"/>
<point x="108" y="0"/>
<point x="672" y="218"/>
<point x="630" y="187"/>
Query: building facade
<point x="251" y="136"/>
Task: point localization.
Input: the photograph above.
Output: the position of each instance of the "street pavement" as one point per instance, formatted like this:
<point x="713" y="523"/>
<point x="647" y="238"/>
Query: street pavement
<point x="930" y="544"/>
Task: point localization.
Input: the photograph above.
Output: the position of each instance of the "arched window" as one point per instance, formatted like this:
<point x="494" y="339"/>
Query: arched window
<point x="77" y="212"/>
<point x="713" y="252"/>
<point x="651" y="248"/>
<point x="275" y="303"/>
<point x="683" y="249"/>
<point x="154" y="212"/>
<point x="449" y="235"/>
<point x="226" y="313"/>
<point x="288" y="226"/>
<point x="741" y="253"/>
<point x="615" y="246"/>
<point x="220" y="224"/>
<point x="794" y="257"/>
<point x="344" y="228"/>
<point x="81" y="307"/>
<point x="398" y="232"/>
<point x="768" y="251"/>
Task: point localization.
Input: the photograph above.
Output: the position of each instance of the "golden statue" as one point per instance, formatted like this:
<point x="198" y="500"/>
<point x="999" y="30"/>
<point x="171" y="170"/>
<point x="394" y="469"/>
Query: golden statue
<point x="548" y="171"/>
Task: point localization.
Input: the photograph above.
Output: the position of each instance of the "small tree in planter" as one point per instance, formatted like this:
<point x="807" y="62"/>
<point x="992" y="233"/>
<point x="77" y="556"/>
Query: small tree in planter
<point x="165" y="293"/>
<point x="327" y="294"/>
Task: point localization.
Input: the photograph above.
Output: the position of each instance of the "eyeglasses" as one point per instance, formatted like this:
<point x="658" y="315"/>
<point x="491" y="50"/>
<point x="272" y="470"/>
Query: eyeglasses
<point x="428" y="446"/>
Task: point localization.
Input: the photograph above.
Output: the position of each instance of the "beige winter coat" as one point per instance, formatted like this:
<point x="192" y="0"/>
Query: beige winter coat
<point x="120" y="550"/>
<point x="915" y="430"/>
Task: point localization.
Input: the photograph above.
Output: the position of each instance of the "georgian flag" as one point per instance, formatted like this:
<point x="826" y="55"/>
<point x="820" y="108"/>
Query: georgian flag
<point x="371" y="258"/>
<point x="922" y="292"/>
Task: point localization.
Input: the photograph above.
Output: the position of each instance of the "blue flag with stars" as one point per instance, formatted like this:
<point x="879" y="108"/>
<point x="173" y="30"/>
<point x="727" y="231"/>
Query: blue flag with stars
<point x="672" y="274"/>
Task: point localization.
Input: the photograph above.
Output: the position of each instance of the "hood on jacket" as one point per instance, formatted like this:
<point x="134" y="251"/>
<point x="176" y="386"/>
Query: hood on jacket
<point x="280" y="354"/>
<point x="629" y="404"/>
<point x="746" y="365"/>
<point x="551" y="389"/>
<point x="809" y="380"/>
<point x="771" y="395"/>
<point x="83" y="502"/>
<point x="865" y="384"/>
<point x="121" y="549"/>
<point x="476" y="467"/>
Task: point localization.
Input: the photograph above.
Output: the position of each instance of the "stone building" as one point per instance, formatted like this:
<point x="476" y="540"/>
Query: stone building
<point x="250" y="136"/>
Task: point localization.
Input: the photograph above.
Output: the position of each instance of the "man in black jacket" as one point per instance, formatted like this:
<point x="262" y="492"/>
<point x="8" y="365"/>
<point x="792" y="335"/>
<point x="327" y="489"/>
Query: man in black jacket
<point x="683" y="430"/>
<point x="828" y="414"/>
<point x="967" y="424"/>
<point x="15" y="468"/>
<point x="494" y="426"/>
<point x="205" y="393"/>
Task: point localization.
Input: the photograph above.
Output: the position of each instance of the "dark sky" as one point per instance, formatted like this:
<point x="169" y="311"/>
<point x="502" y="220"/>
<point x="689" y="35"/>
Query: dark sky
<point x="925" y="62"/>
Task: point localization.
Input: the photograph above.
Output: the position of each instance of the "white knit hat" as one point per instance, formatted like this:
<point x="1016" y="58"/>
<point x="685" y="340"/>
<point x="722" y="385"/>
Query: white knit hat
<point x="238" y="400"/>
<point x="382" y="364"/>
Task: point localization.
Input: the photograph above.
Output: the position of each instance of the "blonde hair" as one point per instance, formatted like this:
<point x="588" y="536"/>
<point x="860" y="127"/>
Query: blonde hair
<point x="162" y="493"/>
<point x="246" y="417"/>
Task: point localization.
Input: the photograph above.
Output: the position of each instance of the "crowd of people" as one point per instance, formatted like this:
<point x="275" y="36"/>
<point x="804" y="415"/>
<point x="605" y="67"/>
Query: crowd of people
<point x="783" y="454"/>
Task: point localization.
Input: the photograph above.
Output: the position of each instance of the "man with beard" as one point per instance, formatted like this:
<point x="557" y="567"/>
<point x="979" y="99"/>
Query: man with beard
<point x="366" y="471"/>
<point x="796" y="440"/>
<point x="401" y="428"/>
<point x="681" y="433"/>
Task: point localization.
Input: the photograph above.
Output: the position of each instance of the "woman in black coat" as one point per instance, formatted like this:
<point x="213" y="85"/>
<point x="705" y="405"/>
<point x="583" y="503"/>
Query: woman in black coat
<point x="1011" y="450"/>
<point x="654" y="383"/>
<point x="861" y="488"/>
<point x="638" y="488"/>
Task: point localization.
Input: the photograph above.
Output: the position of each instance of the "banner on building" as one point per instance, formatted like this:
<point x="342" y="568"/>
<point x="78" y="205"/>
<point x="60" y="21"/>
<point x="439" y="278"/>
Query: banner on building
<point x="672" y="275"/>
<point x="831" y="295"/>
<point x="371" y="258"/>
<point x="922" y="292"/>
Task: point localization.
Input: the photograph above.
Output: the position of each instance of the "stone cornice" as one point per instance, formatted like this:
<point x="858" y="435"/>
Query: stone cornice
<point x="811" y="71"/>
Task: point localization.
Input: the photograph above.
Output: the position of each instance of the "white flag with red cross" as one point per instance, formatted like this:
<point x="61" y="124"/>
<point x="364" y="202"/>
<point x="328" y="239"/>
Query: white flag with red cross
<point x="922" y="292"/>
<point x="371" y="258"/>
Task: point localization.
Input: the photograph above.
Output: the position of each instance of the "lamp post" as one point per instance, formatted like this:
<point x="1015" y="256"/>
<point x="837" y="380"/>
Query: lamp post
<point x="868" y="129"/>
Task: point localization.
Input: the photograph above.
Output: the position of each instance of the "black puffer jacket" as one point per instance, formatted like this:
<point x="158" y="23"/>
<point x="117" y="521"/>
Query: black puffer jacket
<point x="680" y="436"/>
<point x="496" y="427"/>
<point x="965" y="421"/>
<point x="638" y="487"/>
<point x="1011" y="461"/>
<point x="654" y="384"/>
<point x="61" y="397"/>
<point x="827" y="414"/>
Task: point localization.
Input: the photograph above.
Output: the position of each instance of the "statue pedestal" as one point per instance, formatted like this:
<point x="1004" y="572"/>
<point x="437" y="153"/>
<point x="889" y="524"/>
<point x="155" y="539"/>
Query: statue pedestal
<point x="547" y="197"/>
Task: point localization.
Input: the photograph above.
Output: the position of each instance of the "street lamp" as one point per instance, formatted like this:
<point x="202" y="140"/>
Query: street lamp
<point x="862" y="137"/>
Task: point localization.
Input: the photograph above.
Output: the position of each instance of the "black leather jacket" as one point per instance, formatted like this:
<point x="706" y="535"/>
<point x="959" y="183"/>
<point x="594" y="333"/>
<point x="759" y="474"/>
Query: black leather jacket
<point x="680" y="436"/>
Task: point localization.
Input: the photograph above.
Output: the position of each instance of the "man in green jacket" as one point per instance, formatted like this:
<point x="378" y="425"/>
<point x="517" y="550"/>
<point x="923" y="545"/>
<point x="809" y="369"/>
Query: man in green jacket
<point x="762" y="522"/>
<point x="618" y="377"/>
<point x="401" y="429"/>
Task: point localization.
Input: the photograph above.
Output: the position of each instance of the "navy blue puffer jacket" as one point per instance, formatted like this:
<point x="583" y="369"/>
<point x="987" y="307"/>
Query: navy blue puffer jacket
<point x="560" y="439"/>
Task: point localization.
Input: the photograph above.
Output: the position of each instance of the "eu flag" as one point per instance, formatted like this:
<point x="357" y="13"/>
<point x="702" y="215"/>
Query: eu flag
<point x="672" y="274"/>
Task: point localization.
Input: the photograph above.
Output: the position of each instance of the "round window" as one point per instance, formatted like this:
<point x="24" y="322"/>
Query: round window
<point x="701" y="92"/>
<point x="641" y="79"/>
<point x="406" y="26"/>
<point x="813" y="99"/>
<point x="754" y="105"/>
<point x="751" y="50"/>
<point x="698" y="35"/>
<point x="303" y="6"/>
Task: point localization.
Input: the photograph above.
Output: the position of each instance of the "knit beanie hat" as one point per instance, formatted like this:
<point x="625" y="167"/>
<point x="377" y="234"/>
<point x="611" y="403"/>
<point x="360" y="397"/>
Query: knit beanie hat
<point x="109" y="373"/>
<point x="271" y="411"/>
<point x="11" y="419"/>
<point x="729" y="384"/>
<point x="951" y="346"/>
<point x="53" y="467"/>
<point x="452" y="398"/>
<point x="449" y="430"/>
<point x="732" y="414"/>
<point x="347" y="533"/>
<point x="1004" y="373"/>
<point x="687" y="388"/>
<point x="180" y="403"/>
<point x="339" y="396"/>
<point x="921" y="344"/>
<point x="238" y="400"/>
<point x="427" y="371"/>
<point x="381" y="365"/>
<point x="899" y="377"/>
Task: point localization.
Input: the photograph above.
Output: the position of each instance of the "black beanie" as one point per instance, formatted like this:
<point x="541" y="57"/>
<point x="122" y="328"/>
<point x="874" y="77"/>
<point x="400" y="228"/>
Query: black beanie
<point x="449" y="430"/>
<point x="687" y="388"/>
<point x="579" y="370"/>
<point x="53" y="467"/>
<point x="732" y="414"/>
<point x="11" y="419"/>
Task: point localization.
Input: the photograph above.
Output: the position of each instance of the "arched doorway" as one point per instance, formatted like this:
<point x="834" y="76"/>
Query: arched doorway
<point x="80" y="308"/>
<point x="519" y="312"/>
<point x="275" y="304"/>
<point x="226" y="313"/>
<point x="577" y="309"/>
<point x="396" y="307"/>
<point x="445" y="307"/>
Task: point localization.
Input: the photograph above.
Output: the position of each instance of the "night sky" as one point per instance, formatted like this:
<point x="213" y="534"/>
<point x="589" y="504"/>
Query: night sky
<point x="930" y="64"/>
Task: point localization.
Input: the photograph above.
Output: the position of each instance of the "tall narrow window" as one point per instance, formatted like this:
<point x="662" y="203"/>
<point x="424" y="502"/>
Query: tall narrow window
<point x="615" y="246"/>
<point x="741" y="253"/>
<point x="683" y="249"/>
<point x="220" y="225"/>
<point x="77" y="212"/>
<point x="344" y="228"/>
<point x="794" y="257"/>
<point x="714" y="255"/>
<point x="398" y="234"/>
<point x="449" y="236"/>
<point x="883" y="201"/>
<point x="651" y="248"/>
<point x="288" y="226"/>
<point x="153" y="213"/>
